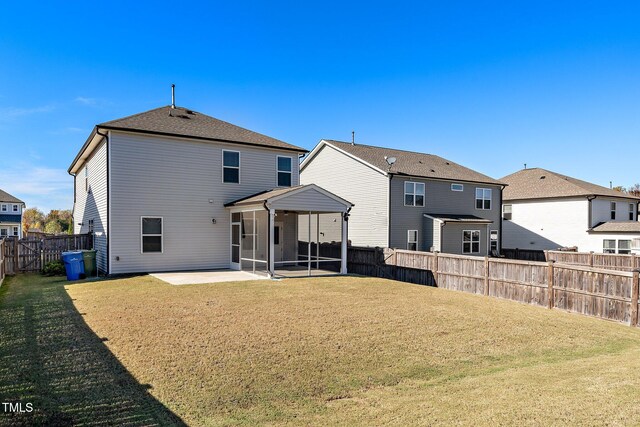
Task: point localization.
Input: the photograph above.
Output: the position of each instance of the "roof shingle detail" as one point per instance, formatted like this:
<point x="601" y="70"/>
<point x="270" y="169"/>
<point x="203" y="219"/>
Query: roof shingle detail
<point x="188" y="123"/>
<point x="617" y="227"/>
<point x="6" y="197"/>
<point x="412" y="164"/>
<point x="537" y="183"/>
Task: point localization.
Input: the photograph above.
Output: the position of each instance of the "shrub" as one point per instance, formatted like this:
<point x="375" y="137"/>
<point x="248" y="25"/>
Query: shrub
<point x="54" y="268"/>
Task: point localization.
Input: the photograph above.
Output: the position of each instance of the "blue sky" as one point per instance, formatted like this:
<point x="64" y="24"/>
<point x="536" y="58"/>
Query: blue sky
<point x="490" y="85"/>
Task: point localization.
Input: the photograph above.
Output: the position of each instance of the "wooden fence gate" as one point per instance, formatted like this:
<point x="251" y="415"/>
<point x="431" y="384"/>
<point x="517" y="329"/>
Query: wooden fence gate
<point x="30" y="255"/>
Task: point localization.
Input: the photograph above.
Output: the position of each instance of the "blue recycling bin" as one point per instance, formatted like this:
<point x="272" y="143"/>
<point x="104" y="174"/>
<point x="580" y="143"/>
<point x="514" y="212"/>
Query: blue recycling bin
<point x="73" y="264"/>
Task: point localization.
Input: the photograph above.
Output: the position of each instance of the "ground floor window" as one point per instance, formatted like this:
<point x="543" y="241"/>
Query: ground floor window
<point x="151" y="235"/>
<point x="15" y="231"/>
<point x="412" y="240"/>
<point x="611" y="246"/>
<point x="470" y="241"/>
<point x="4" y="232"/>
<point x="493" y="241"/>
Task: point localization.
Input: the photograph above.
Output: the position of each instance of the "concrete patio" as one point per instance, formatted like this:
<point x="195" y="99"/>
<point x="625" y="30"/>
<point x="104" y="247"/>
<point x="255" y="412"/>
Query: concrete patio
<point x="206" y="276"/>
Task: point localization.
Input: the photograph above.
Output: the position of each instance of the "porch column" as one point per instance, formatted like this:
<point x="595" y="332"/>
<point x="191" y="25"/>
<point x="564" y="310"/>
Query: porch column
<point x="271" y="251"/>
<point x="343" y="245"/>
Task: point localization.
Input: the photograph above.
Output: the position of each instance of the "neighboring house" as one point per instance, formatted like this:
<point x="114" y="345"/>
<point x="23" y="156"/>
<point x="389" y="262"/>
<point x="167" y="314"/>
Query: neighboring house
<point x="419" y="202"/>
<point x="174" y="189"/>
<point x="546" y="210"/>
<point x="11" y="209"/>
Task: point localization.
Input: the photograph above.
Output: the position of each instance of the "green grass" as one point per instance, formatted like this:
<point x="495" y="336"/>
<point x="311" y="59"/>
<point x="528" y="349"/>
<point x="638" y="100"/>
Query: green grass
<point x="323" y="351"/>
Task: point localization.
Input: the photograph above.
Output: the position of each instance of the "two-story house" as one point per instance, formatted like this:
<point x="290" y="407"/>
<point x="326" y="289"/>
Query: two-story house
<point x="10" y="215"/>
<point x="546" y="210"/>
<point x="409" y="200"/>
<point x="173" y="189"/>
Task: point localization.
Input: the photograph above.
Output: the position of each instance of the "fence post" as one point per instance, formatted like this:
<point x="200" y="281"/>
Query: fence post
<point x="591" y="259"/>
<point x="435" y="268"/>
<point x="486" y="276"/>
<point x="546" y="255"/>
<point x="635" y="283"/>
<point x="550" y="284"/>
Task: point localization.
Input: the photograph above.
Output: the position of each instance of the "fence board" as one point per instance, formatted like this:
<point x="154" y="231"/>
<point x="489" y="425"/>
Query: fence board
<point x="30" y="255"/>
<point x="589" y="290"/>
<point x="591" y="259"/>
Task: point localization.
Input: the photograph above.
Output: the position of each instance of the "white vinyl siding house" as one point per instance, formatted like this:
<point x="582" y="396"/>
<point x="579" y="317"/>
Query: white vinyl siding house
<point x="11" y="209"/>
<point x="361" y="184"/>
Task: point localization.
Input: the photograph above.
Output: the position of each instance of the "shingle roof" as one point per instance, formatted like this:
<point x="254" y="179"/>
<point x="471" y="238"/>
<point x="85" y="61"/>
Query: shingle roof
<point x="472" y="219"/>
<point x="537" y="183"/>
<point x="618" y="227"/>
<point x="412" y="163"/>
<point x="6" y="197"/>
<point x="184" y="122"/>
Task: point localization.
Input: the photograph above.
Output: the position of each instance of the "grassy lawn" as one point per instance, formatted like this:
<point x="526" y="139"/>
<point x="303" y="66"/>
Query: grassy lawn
<point x="324" y="351"/>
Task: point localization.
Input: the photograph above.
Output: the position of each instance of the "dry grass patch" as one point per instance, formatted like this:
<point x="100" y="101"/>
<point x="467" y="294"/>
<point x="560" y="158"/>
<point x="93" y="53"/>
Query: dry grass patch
<point x="362" y="351"/>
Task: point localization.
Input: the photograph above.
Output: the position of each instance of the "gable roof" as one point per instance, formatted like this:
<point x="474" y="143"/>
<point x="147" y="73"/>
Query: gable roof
<point x="538" y="183"/>
<point x="407" y="163"/>
<point x="183" y="122"/>
<point x="470" y="219"/>
<point x="275" y="194"/>
<point x="617" y="227"/>
<point x="6" y="197"/>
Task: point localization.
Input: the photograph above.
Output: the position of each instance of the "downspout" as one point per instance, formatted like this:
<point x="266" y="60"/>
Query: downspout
<point x="500" y="221"/>
<point x="389" y="210"/>
<point x="108" y="260"/>
<point x="269" y="254"/>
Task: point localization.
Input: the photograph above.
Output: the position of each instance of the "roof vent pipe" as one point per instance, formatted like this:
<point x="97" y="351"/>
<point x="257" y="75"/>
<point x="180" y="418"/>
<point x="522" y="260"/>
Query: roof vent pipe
<point x="353" y="137"/>
<point x="173" y="96"/>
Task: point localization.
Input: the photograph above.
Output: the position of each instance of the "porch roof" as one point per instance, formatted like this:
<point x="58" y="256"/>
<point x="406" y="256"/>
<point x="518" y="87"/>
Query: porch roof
<point x="470" y="219"/>
<point x="308" y="197"/>
<point x="617" y="227"/>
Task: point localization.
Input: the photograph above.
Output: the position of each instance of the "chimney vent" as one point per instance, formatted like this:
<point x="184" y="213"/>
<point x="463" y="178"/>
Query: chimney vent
<point x="173" y="96"/>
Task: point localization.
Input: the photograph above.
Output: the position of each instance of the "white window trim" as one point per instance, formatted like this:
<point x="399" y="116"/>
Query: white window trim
<point x="618" y="246"/>
<point x="497" y="240"/>
<point x="239" y="167"/>
<point x="471" y="241"/>
<point x="461" y="187"/>
<point x="6" y="231"/>
<point x="4" y="208"/>
<point x="278" y="171"/>
<point x="152" y="235"/>
<point x="615" y="246"/>
<point x="503" y="212"/>
<point x="409" y="239"/>
<point x="404" y="194"/>
<point x="16" y="231"/>
<point x="15" y="208"/>
<point x="475" y="202"/>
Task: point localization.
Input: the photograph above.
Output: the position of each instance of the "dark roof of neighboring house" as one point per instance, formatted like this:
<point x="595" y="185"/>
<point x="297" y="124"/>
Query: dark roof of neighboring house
<point x="537" y="183"/>
<point x="412" y="164"/>
<point x="6" y="197"/>
<point x="617" y="227"/>
<point x="10" y="218"/>
<point x="471" y="219"/>
<point x="181" y="121"/>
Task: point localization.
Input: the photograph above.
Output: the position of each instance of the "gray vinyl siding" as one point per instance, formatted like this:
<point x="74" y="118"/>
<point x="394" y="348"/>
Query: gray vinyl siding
<point x="308" y="200"/>
<point x="439" y="199"/>
<point x="92" y="205"/>
<point x="452" y="238"/>
<point x="359" y="184"/>
<point x="175" y="179"/>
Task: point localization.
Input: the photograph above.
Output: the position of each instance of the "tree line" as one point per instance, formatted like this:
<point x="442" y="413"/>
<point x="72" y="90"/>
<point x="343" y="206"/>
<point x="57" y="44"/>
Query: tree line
<point x="55" y="222"/>
<point x="634" y="190"/>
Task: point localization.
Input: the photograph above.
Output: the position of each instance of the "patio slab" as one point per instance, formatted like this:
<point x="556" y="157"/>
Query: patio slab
<point x="208" y="276"/>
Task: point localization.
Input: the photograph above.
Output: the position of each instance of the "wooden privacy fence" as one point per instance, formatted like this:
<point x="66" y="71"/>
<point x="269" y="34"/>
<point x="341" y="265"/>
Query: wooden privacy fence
<point x="608" y="294"/>
<point x="31" y="255"/>
<point x="2" y="272"/>
<point x="607" y="261"/>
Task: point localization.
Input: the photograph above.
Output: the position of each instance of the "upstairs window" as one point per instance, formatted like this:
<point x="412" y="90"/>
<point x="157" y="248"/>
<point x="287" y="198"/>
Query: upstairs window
<point x="413" y="193"/>
<point x="91" y="226"/>
<point x="483" y="198"/>
<point x="632" y="211"/>
<point x="613" y="210"/>
<point x="470" y="241"/>
<point x="151" y="235"/>
<point x="507" y="212"/>
<point x="457" y="187"/>
<point x="285" y="167"/>
<point x="15" y="208"/>
<point x="412" y="240"/>
<point x="4" y="208"/>
<point x="231" y="166"/>
<point x="609" y="246"/>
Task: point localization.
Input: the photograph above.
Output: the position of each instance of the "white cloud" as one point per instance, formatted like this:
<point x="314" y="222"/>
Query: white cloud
<point x="86" y="101"/>
<point x="14" y="112"/>
<point x="41" y="187"/>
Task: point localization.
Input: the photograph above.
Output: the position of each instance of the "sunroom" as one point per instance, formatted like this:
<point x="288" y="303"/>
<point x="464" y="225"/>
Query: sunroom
<point x="290" y="232"/>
